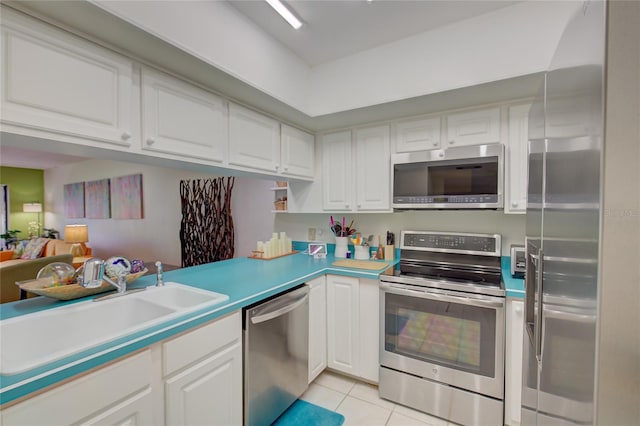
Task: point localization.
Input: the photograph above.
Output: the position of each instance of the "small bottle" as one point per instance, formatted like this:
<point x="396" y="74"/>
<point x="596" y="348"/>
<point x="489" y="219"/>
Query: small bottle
<point x="380" y="253"/>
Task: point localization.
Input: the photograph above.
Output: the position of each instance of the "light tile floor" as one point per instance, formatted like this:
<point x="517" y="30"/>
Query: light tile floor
<point x="360" y="404"/>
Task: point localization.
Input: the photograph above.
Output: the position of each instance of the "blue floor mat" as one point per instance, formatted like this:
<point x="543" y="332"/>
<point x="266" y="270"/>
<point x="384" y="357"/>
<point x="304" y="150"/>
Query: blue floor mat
<point x="303" y="413"/>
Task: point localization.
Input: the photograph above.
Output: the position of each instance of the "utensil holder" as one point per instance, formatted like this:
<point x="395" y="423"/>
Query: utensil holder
<point x="362" y="252"/>
<point x="341" y="247"/>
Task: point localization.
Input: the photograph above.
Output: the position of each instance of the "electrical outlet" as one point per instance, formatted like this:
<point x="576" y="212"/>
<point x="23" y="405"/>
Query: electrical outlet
<point x="311" y="234"/>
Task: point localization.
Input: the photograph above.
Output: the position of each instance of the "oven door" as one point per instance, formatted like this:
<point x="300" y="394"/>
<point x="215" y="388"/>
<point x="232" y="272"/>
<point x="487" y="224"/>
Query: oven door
<point x="449" y="337"/>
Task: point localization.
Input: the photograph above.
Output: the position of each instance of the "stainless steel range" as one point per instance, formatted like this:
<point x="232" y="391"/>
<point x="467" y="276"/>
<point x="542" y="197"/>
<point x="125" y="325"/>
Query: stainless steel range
<point x="442" y="327"/>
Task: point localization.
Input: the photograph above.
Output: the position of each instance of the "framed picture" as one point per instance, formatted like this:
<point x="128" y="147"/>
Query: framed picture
<point x="96" y="199"/>
<point x="126" y="197"/>
<point x="74" y="200"/>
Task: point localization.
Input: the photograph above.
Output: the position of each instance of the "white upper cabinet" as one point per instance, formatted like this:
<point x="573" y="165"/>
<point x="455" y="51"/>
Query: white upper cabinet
<point x="364" y="183"/>
<point x="55" y="82"/>
<point x="418" y="134"/>
<point x="473" y="127"/>
<point x="254" y="140"/>
<point x="337" y="171"/>
<point x="297" y="152"/>
<point x="179" y="118"/>
<point x="372" y="168"/>
<point x="516" y="161"/>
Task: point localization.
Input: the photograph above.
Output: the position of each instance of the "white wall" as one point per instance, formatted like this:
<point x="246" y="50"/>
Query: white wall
<point x="512" y="41"/>
<point x="252" y="207"/>
<point x="218" y="34"/>
<point x="509" y="42"/>
<point x="511" y="227"/>
<point x="155" y="237"/>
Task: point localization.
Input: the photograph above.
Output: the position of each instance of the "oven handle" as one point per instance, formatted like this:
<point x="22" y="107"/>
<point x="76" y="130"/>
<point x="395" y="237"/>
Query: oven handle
<point x="426" y="294"/>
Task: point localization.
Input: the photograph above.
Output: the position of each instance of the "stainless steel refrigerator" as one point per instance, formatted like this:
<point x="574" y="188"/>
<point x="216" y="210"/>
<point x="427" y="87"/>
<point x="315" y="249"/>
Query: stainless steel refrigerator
<point x="562" y="228"/>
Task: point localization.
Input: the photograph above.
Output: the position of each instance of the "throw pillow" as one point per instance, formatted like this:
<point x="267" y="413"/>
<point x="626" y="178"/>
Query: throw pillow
<point x="34" y="248"/>
<point x="19" y="249"/>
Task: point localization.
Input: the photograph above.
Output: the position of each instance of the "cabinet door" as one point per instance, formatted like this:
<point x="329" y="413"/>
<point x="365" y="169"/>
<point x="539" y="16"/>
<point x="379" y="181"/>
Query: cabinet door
<point x="343" y="318"/>
<point x="59" y="83"/>
<point x="418" y="135"/>
<point x="297" y="152"/>
<point x="337" y="173"/>
<point x="516" y="160"/>
<point x="209" y="392"/>
<point x="473" y="127"/>
<point x="317" y="327"/>
<point x="369" y="330"/>
<point x="119" y="393"/>
<point x="203" y="374"/>
<point x="182" y="119"/>
<point x="373" y="174"/>
<point x="254" y="140"/>
<point x="513" y="361"/>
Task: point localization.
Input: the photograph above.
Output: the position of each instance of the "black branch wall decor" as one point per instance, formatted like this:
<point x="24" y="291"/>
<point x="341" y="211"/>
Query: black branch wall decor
<point x="206" y="230"/>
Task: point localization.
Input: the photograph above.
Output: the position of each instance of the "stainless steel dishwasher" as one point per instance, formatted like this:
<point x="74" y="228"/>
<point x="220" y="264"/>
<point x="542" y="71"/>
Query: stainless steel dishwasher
<point x="276" y="355"/>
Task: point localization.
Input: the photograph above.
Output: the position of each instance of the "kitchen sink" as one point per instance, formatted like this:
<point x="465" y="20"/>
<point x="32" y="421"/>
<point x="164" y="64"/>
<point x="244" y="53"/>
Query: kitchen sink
<point x="36" y="339"/>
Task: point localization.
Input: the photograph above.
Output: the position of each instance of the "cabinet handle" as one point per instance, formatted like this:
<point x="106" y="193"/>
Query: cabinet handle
<point x="151" y="141"/>
<point x="452" y="142"/>
<point x="441" y="155"/>
<point x="435" y="144"/>
<point x="286" y="169"/>
<point x="346" y="206"/>
<point x="125" y="136"/>
<point x="277" y="167"/>
<point x="359" y="205"/>
<point x="514" y="204"/>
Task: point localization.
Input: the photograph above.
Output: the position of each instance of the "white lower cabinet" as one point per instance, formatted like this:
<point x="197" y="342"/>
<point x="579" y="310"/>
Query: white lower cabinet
<point x="120" y="393"/>
<point x="317" y="327"/>
<point x="203" y="375"/>
<point x="513" y="361"/>
<point x="195" y="378"/>
<point x="352" y="326"/>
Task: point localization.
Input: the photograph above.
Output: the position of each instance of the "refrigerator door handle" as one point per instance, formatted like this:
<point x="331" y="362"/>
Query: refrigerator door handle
<point x="538" y="325"/>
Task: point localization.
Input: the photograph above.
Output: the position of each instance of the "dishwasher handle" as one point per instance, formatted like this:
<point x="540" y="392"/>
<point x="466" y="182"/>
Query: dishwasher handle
<point x="274" y="309"/>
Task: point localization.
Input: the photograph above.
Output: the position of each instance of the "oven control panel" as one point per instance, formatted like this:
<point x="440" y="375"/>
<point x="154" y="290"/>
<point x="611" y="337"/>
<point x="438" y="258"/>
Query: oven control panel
<point x="484" y="244"/>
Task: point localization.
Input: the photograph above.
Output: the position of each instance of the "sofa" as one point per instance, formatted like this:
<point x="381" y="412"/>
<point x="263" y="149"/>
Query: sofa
<point x="52" y="247"/>
<point x="21" y="270"/>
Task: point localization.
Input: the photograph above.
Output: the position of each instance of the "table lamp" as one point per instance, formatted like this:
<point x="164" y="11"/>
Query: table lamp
<point x="77" y="235"/>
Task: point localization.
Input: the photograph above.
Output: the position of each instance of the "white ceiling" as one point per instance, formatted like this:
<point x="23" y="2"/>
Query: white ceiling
<point x="335" y="29"/>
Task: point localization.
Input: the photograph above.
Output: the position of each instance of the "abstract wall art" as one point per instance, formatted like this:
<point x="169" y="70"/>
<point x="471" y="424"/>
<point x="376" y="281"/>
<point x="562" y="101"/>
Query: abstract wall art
<point x="96" y="203"/>
<point x="126" y="197"/>
<point x="74" y="200"/>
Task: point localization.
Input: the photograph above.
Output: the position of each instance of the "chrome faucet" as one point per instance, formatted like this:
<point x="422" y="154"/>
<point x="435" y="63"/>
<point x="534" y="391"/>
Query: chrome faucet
<point x="93" y="274"/>
<point x="159" y="280"/>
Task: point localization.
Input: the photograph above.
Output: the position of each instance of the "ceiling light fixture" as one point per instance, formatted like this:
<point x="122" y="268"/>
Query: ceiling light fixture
<point x="285" y="13"/>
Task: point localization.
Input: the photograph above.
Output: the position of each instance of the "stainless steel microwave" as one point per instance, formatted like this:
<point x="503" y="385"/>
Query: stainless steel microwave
<point x="466" y="177"/>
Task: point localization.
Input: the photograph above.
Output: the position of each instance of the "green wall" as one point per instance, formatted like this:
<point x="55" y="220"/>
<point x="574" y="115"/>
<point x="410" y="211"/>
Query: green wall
<point x="25" y="186"/>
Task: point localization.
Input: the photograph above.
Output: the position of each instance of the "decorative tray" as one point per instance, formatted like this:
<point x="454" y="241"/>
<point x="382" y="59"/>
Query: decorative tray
<point x="258" y="255"/>
<point x="43" y="287"/>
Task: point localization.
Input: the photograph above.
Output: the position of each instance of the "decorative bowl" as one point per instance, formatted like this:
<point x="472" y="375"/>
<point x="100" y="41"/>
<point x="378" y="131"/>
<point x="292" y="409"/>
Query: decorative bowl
<point x="46" y="287"/>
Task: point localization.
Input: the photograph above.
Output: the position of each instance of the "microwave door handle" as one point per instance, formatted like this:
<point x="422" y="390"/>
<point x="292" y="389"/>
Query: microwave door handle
<point x="423" y="294"/>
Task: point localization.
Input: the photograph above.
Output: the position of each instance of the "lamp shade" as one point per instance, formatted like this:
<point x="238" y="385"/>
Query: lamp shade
<point x="76" y="234"/>
<point x="32" y="208"/>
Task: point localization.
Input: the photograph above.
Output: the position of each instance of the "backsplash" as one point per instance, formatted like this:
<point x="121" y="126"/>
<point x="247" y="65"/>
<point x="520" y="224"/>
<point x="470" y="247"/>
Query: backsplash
<point x="510" y="227"/>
